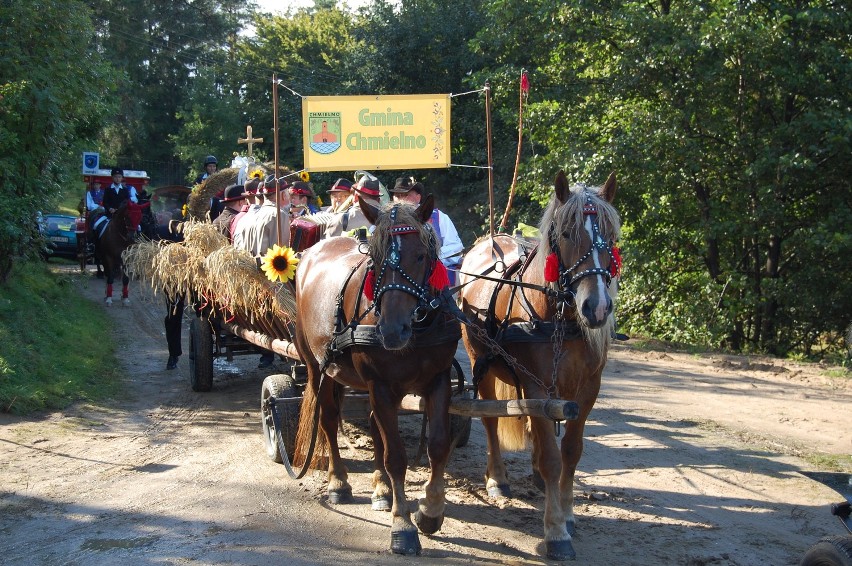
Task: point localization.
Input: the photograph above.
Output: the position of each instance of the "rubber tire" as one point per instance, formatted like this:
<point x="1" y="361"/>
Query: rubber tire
<point x="459" y="424"/>
<point x="829" y="551"/>
<point x="279" y="386"/>
<point x="200" y="355"/>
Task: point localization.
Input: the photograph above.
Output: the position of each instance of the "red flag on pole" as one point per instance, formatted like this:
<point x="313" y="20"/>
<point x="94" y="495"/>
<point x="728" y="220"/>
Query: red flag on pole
<point x="525" y="83"/>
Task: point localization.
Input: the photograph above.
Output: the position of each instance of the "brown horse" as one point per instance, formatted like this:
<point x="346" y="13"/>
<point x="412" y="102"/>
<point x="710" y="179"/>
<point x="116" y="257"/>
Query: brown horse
<point x="557" y="323"/>
<point x="402" y="342"/>
<point x="119" y="233"/>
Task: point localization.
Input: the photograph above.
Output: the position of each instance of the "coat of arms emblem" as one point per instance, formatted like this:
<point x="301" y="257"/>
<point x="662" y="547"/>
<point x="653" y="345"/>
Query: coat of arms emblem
<point x="325" y="131"/>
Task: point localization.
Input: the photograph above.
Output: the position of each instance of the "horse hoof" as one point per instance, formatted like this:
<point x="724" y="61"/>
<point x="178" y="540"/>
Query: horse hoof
<point x="560" y="550"/>
<point x="405" y="542"/>
<point x="125" y="301"/>
<point x="428" y="525"/>
<point x="571" y="527"/>
<point x="340" y="496"/>
<point x="538" y="481"/>
<point x="501" y="490"/>
<point x="381" y="503"/>
<point x="108" y="301"/>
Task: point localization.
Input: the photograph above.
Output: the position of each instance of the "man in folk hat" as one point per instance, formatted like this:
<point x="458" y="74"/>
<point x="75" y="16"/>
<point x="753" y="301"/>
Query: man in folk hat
<point x="339" y="193"/>
<point x="262" y="234"/>
<point x="117" y="193"/>
<point x="352" y="218"/>
<point x="242" y="220"/>
<point x="301" y="199"/>
<point x="407" y="190"/>
<point x="234" y="198"/>
<point x="262" y="230"/>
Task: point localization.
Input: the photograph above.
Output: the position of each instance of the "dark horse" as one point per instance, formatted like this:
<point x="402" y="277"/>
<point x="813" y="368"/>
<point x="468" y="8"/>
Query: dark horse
<point x="119" y="233"/>
<point x="558" y="328"/>
<point x="403" y="342"/>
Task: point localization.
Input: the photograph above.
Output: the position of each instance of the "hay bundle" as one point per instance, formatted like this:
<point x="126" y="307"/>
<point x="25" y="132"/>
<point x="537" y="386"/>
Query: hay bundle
<point x="139" y="260"/>
<point x="198" y="203"/>
<point x="172" y="269"/>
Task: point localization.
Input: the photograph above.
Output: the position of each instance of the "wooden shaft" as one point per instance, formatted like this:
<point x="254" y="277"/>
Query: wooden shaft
<point x="275" y="157"/>
<point x="283" y="347"/>
<point x="490" y="163"/>
<point x="555" y="409"/>
<point x="505" y="219"/>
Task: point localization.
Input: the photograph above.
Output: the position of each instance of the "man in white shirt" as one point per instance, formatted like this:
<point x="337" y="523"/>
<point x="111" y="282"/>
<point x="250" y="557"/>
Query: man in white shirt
<point x="117" y="193"/>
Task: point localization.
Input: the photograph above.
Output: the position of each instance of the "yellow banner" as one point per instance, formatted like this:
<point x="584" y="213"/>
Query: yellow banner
<point x="343" y="133"/>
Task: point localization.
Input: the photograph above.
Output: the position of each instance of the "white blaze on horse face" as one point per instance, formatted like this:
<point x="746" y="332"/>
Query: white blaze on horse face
<point x="600" y="311"/>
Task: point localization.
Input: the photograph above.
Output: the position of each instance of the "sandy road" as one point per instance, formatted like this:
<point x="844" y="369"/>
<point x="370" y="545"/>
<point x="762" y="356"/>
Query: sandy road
<point x="689" y="460"/>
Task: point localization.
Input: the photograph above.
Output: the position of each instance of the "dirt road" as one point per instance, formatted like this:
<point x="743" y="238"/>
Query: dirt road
<point x="689" y="460"/>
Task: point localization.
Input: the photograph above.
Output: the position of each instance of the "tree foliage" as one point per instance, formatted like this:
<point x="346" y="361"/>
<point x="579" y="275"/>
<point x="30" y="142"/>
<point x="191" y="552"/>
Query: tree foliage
<point x="728" y="124"/>
<point x="162" y="48"/>
<point x="47" y="107"/>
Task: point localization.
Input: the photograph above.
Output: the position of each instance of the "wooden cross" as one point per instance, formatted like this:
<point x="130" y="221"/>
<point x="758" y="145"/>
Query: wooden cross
<point x="249" y="140"/>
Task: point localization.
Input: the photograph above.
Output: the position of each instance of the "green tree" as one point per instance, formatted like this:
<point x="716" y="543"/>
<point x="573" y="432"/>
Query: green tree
<point x="728" y="123"/>
<point x="422" y="47"/>
<point x="161" y="47"/>
<point x="54" y="94"/>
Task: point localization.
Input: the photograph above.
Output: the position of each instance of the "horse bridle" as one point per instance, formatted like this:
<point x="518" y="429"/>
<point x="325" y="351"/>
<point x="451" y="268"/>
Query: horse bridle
<point x="391" y="261"/>
<point x="568" y="276"/>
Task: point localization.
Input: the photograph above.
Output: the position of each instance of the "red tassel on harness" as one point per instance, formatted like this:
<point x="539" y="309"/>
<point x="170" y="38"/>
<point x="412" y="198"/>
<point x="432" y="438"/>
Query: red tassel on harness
<point x="439" y="279"/>
<point x="370" y="284"/>
<point x="551" y="268"/>
<point x="615" y="264"/>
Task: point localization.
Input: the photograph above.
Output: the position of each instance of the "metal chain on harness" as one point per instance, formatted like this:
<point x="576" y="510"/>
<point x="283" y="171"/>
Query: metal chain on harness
<point x="497" y="351"/>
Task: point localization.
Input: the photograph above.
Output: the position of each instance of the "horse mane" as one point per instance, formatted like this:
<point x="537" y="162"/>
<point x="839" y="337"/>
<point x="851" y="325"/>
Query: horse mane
<point x="570" y="215"/>
<point x="380" y="239"/>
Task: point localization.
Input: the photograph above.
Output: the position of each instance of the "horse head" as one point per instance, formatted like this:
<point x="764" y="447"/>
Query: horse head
<point x="404" y="255"/>
<point x="134" y="216"/>
<point x="580" y="228"/>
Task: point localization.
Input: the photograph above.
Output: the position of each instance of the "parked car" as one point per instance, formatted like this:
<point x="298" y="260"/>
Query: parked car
<point x="59" y="234"/>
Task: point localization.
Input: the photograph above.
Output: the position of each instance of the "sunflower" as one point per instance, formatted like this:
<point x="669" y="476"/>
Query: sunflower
<point x="256" y="174"/>
<point x="279" y="263"/>
<point x="305" y="176"/>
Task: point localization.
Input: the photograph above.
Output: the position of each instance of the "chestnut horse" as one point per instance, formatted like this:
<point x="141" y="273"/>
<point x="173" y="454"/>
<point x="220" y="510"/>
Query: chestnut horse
<point x="551" y="309"/>
<point x="367" y="318"/>
<point x="119" y="233"/>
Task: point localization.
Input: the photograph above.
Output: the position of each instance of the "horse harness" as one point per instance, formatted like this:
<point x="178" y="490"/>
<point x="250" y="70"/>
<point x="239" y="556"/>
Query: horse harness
<point x="499" y="331"/>
<point x="435" y="319"/>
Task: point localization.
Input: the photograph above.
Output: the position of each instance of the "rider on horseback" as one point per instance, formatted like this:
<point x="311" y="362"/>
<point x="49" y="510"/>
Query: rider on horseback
<point x="117" y="193"/>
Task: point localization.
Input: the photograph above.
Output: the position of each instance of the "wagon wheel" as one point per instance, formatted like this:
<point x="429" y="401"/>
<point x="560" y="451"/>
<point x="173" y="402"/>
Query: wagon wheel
<point x="200" y="355"/>
<point x="459" y="424"/>
<point x="830" y="551"/>
<point x="287" y="404"/>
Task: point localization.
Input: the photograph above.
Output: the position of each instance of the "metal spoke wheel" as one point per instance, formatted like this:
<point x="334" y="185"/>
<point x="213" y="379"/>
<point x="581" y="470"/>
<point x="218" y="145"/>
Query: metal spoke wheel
<point x="287" y="404"/>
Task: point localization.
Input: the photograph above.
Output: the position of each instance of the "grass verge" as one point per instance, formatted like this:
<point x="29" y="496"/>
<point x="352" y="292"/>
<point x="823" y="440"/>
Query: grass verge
<point x="55" y="345"/>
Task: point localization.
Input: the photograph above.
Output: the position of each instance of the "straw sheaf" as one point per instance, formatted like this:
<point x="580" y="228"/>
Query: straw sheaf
<point x="198" y="203"/>
<point x="240" y="287"/>
<point x="139" y="260"/>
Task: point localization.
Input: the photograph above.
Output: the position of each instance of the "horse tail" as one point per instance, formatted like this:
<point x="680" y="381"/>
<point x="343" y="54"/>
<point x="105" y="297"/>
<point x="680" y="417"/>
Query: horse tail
<point x="307" y="428"/>
<point x="511" y="431"/>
